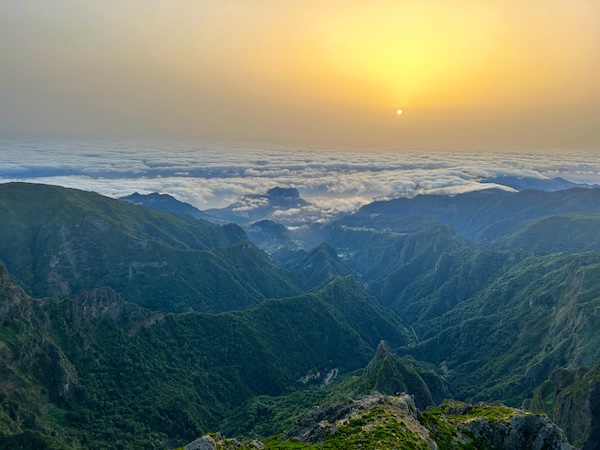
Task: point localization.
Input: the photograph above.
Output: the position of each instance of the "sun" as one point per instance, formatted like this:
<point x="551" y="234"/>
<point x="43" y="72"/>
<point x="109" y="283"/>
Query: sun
<point x="399" y="112"/>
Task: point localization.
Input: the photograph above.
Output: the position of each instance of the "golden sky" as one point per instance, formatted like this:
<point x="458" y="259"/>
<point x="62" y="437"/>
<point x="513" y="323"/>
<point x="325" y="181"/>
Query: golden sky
<point x="472" y="73"/>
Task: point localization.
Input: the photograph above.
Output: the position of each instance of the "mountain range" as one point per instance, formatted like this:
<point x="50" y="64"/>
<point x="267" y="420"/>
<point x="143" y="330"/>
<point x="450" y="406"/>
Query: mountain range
<point x="127" y="327"/>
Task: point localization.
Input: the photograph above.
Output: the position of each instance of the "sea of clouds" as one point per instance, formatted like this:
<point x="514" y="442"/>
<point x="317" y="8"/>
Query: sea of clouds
<point x="334" y="181"/>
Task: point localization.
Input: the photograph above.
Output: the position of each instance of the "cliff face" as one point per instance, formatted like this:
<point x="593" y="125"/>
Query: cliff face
<point x="522" y="431"/>
<point x="33" y="363"/>
<point x="571" y="398"/>
<point x="593" y="438"/>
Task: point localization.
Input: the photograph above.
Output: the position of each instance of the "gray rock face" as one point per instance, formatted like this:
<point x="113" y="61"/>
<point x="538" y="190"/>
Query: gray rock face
<point x="519" y="433"/>
<point x="321" y="421"/>
<point x="203" y="443"/>
<point x="208" y="443"/>
<point x="571" y="399"/>
<point x="317" y="423"/>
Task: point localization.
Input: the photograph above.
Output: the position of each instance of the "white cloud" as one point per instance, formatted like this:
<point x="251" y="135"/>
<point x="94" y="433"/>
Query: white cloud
<point x="333" y="181"/>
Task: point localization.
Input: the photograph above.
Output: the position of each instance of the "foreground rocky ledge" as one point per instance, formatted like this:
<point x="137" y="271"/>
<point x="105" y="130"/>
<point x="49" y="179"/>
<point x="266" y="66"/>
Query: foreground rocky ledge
<point x="386" y="422"/>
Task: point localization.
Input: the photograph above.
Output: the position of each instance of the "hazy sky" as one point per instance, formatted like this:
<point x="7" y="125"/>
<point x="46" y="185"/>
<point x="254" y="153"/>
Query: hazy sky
<point x="465" y="73"/>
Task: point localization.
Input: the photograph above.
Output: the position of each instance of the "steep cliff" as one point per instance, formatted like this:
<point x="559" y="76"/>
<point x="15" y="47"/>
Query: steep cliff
<point x="571" y="398"/>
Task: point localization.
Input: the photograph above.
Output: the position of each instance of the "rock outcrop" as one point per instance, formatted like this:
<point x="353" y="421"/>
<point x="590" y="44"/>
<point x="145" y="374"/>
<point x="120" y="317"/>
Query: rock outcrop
<point x="370" y="413"/>
<point x="203" y="443"/>
<point x="382" y="422"/>
<point x="493" y="427"/>
<point x="571" y="398"/>
<point x="522" y="431"/>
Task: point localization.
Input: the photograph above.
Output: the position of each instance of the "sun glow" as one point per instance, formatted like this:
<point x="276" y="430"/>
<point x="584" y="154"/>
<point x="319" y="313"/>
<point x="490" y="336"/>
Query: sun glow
<point x="313" y="72"/>
<point x="409" y="53"/>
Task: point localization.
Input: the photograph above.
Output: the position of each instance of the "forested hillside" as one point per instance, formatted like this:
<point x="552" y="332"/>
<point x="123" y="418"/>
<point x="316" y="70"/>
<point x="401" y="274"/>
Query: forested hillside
<point x="124" y="327"/>
<point x="58" y="241"/>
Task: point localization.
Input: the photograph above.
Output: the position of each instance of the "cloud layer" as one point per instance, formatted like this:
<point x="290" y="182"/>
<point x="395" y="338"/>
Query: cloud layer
<point x="333" y="181"/>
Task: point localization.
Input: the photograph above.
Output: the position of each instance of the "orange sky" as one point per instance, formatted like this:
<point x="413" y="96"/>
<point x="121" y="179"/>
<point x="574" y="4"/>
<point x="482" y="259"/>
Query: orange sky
<point x="472" y="73"/>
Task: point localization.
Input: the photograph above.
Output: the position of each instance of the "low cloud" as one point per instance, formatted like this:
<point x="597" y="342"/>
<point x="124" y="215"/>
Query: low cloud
<point x="333" y="181"/>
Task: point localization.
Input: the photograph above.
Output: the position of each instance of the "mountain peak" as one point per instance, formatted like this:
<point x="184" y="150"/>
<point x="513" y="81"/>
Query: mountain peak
<point x="252" y="208"/>
<point x="164" y="202"/>
<point x="383" y="353"/>
<point x="383" y="350"/>
<point x="283" y="192"/>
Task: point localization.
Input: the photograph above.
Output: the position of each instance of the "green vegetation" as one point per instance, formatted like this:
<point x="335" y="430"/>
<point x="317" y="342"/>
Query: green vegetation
<point x="101" y="371"/>
<point x="380" y="423"/>
<point x="149" y="328"/>
<point x="57" y="241"/>
<point x="497" y="321"/>
<point x="387" y="422"/>
<point x="486" y="215"/>
<point x="573" y="233"/>
<point x="570" y="398"/>
<point x="263" y="416"/>
<point x="320" y="264"/>
<point x="505" y="340"/>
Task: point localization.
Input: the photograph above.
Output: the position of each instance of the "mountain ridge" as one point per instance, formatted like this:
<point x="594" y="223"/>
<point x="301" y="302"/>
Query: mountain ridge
<point x="95" y="368"/>
<point x="165" y="202"/>
<point x="147" y="327"/>
<point x="59" y="241"/>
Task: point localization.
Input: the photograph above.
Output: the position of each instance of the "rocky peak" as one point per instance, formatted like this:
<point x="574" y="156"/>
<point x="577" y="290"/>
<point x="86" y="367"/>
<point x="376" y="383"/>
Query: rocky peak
<point x="283" y="192"/>
<point x="522" y="431"/>
<point x="383" y="350"/>
<point x="285" y="198"/>
<point x="203" y="443"/>
<point x="383" y="353"/>
<point x="95" y="306"/>
<point x="369" y="412"/>
<point x="390" y="375"/>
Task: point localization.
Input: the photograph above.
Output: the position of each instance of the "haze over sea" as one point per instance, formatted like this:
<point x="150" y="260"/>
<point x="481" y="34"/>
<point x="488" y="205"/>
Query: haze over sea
<point x="334" y="181"/>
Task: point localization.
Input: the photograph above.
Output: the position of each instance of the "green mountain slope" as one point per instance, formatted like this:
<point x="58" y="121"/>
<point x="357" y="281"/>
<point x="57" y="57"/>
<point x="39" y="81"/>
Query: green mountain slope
<point x="498" y="322"/>
<point x="506" y="339"/>
<point x="263" y="415"/>
<point x="151" y="353"/>
<point x="374" y="247"/>
<point x="94" y="371"/>
<point x="497" y="319"/>
<point x="274" y="239"/>
<point x="58" y="241"/>
<point x="574" y="233"/>
<point x="320" y="264"/>
<point x="165" y="202"/>
<point x="489" y="214"/>
<point x="571" y="398"/>
<point x="417" y="266"/>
